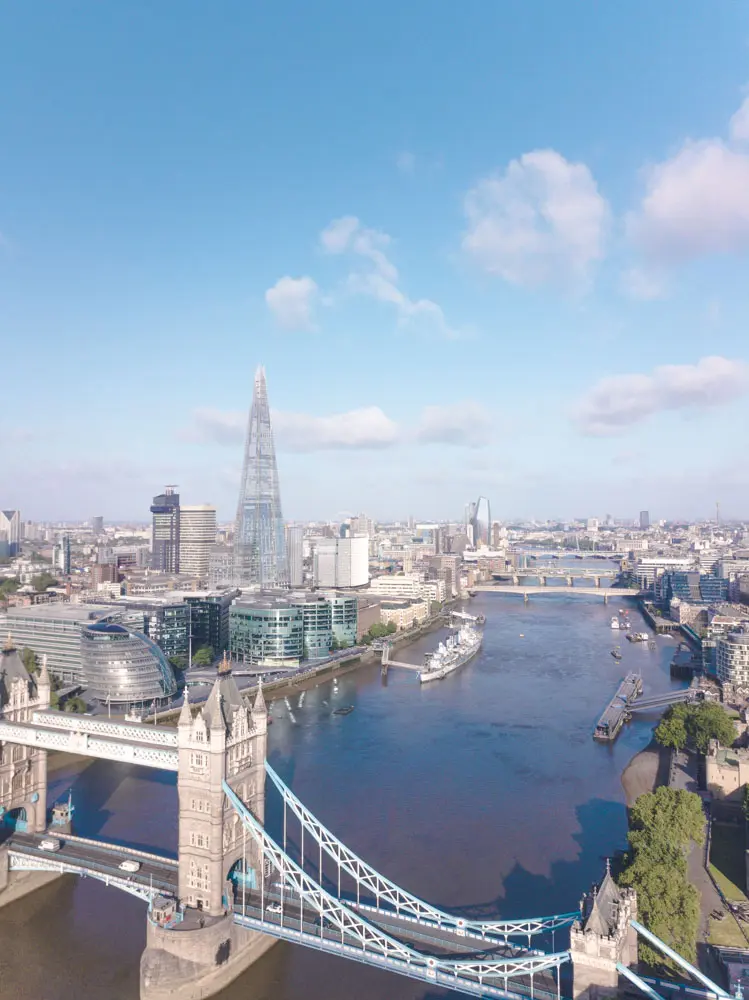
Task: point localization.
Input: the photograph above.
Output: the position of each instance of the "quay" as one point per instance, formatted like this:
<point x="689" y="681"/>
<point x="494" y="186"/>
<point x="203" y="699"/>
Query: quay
<point x="611" y="721"/>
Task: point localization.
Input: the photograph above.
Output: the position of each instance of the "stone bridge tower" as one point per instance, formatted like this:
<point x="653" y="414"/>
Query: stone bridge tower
<point x="204" y="950"/>
<point x="23" y="770"/>
<point x="224" y="741"/>
<point x="602" y="938"/>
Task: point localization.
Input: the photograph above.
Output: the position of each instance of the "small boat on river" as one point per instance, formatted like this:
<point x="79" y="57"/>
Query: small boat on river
<point x="346" y="710"/>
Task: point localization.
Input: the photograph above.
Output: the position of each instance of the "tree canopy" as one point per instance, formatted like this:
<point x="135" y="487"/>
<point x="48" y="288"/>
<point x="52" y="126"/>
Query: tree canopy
<point x="695" y="725"/>
<point x="662" y="826"/>
<point x="30" y="660"/>
<point x="42" y="581"/>
<point x="203" y="657"/>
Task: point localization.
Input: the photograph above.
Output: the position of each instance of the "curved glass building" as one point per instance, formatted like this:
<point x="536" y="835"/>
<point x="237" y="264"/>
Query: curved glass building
<point x="266" y="631"/>
<point x="345" y="614"/>
<point x="122" y="666"/>
<point x="318" y="623"/>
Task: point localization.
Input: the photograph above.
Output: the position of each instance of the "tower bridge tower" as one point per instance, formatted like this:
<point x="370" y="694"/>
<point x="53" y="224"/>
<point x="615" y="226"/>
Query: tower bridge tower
<point x="225" y="740"/>
<point x="602" y="938"/>
<point x="23" y="770"/>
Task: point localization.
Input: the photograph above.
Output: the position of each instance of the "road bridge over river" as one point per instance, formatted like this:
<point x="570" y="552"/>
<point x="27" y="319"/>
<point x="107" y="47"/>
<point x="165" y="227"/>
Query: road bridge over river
<point x="234" y="887"/>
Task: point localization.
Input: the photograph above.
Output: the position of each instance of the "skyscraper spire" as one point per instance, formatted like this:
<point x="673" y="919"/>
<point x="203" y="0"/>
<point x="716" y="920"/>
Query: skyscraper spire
<point x="259" y="547"/>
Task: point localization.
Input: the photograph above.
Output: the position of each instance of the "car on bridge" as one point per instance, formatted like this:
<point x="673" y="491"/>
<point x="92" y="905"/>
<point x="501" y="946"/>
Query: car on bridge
<point x="130" y="866"/>
<point x="50" y="844"/>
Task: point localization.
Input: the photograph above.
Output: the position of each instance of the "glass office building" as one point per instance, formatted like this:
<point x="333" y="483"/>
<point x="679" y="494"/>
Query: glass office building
<point x="266" y="631"/>
<point x="344" y="618"/>
<point x="54" y="631"/>
<point x="318" y="623"/>
<point x="124" y="667"/>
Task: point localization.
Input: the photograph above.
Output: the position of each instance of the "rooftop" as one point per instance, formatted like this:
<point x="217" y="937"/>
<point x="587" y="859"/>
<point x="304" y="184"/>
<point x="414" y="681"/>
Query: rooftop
<point x="60" y="612"/>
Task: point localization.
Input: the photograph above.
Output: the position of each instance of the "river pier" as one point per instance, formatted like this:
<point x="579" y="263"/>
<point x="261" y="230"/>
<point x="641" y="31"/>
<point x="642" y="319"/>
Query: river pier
<point x="611" y="721"/>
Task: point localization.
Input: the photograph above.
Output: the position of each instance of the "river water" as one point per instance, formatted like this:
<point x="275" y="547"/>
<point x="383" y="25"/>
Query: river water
<point x="484" y="790"/>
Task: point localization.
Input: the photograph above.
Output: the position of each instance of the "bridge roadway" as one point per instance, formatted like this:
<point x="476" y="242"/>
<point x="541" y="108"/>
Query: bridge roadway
<point x="99" y="860"/>
<point x="510" y="588"/>
<point x="297" y="923"/>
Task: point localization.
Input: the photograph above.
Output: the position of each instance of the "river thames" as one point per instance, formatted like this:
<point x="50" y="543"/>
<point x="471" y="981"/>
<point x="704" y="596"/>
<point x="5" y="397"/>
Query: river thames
<point x="484" y="790"/>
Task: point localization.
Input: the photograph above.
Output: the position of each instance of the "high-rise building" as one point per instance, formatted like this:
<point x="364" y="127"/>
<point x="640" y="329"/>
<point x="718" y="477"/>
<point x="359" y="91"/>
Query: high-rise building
<point x="342" y="562"/>
<point x="165" y="532"/>
<point x="10" y="531"/>
<point x="481" y="520"/>
<point x="644" y="520"/>
<point x="97" y="525"/>
<point x="197" y="535"/>
<point x="259" y="544"/>
<point x="295" y="554"/>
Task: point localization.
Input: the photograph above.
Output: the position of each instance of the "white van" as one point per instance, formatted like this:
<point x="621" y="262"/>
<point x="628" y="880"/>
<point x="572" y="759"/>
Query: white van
<point x="130" y="866"/>
<point x="50" y="844"/>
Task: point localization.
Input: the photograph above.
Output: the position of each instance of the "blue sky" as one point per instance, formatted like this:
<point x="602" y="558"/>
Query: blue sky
<point x="494" y="248"/>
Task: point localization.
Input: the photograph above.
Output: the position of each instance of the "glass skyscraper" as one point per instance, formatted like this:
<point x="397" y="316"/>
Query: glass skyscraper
<point x="259" y="544"/>
<point x="481" y="522"/>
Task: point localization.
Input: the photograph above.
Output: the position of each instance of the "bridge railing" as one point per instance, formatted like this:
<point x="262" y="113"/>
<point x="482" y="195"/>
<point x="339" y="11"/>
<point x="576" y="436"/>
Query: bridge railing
<point x="398" y="900"/>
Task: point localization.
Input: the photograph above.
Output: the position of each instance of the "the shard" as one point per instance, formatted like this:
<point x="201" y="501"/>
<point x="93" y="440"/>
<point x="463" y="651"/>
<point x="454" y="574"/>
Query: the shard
<point x="259" y="545"/>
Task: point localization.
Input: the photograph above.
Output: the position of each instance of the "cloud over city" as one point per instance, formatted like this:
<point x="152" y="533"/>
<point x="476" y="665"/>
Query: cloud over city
<point x="696" y="202"/>
<point x="617" y="402"/>
<point x="292" y="301"/>
<point x="467" y="424"/>
<point x="541" y="221"/>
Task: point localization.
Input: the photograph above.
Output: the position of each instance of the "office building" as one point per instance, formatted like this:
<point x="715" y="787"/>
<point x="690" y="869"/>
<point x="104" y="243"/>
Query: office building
<point x="10" y="532"/>
<point x="644" y="520"/>
<point x="344" y="618"/>
<point x="403" y="614"/>
<point x="342" y="562"/>
<point x="317" y="615"/>
<point x="61" y="555"/>
<point x="732" y="656"/>
<point x="54" y="631"/>
<point x="220" y="567"/>
<point x="481" y="523"/>
<point x="266" y="631"/>
<point x="97" y="525"/>
<point x="259" y="544"/>
<point x="295" y="554"/>
<point x="165" y="532"/>
<point x="120" y="666"/>
<point x="197" y="536"/>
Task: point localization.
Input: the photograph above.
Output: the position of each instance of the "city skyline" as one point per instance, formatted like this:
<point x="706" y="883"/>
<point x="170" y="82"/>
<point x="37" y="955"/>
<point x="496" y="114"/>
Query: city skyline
<point x="568" y="203"/>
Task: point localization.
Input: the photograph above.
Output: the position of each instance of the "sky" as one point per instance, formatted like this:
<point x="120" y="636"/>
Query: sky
<point x="480" y="248"/>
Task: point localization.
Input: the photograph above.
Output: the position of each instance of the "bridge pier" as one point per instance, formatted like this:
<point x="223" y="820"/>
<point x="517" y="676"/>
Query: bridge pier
<point x="598" y="582"/>
<point x="605" y="598"/>
<point x="526" y="597"/>
<point x="191" y="962"/>
<point x="570" y="581"/>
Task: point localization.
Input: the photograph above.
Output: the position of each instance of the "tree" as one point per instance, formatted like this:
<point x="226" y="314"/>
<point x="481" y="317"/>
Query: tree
<point x="76" y="705"/>
<point x="179" y="662"/>
<point x="30" y="660"/>
<point x="44" y="580"/>
<point x="695" y="725"/>
<point x="709" y="721"/>
<point x="672" y="729"/>
<point x="204" y="657"/>
<point x="9" y="586"/>
<point x="662" y="825"/>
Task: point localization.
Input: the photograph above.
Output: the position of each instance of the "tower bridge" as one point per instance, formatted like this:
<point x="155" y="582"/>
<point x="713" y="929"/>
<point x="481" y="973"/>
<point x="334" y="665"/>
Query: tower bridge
<point x="234" y="888"/>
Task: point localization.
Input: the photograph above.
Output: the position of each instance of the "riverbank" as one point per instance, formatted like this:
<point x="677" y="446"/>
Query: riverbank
<point x="645" y="772"/>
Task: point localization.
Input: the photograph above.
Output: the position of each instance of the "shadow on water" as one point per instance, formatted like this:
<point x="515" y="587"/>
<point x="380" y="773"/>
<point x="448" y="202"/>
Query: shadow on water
<point x="528" y="894"/>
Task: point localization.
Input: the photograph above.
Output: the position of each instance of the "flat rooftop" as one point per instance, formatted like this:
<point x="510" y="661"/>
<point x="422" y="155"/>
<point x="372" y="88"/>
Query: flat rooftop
<point x="60" y="612"/>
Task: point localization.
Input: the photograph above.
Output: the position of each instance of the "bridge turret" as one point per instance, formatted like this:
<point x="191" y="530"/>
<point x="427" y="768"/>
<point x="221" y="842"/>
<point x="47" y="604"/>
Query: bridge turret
<point x="602" y="938"/>
<point x="44" y="685"/>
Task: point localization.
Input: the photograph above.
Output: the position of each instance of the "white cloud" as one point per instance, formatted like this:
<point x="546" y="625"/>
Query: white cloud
<point x="542" y="220"/>
<point x="291" y="300"/>
<point x="380" y="279"/>
<point x="696" y="203"/>
<point x="641" y="284"/>
<point x="405" y="162"/>
<point x="367" y="427"/>
<point x="468" y="424"/>
<point x="616" y="402"/>
<point x="739" y="124"/>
